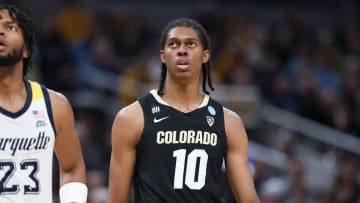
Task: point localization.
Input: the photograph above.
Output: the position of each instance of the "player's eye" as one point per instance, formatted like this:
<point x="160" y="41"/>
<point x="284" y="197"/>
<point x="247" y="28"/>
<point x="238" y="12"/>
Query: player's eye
<point x="11" y="27"/>
<point x="191" y="44"/>
<point x="172" y="44"/>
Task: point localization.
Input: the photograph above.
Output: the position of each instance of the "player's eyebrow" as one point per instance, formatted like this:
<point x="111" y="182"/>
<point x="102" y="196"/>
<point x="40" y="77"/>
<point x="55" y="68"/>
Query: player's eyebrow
<point x="10" y="22"/>
<point x="177" y="38"/>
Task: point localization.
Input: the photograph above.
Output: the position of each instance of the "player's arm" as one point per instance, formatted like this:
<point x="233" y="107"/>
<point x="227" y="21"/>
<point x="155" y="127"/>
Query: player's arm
<point x="238" y="171"/>
<point x="127" y="128"/>
<point x="68" y="151"/>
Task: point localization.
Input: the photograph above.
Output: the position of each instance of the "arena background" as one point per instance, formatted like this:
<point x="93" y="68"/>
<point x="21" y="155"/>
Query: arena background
<point x="291" y="69"/>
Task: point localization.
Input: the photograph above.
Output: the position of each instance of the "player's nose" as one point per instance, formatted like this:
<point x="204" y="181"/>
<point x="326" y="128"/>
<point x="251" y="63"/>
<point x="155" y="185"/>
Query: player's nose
<point x="182" y="50"/>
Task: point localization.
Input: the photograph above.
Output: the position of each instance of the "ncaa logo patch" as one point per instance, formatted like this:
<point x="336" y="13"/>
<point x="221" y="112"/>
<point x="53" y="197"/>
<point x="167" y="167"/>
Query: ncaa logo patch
<point x="211" y="110"/>
<point x="210" y="120"/>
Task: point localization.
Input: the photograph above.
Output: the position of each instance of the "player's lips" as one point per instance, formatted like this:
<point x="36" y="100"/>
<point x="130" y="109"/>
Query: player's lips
<point x="182" y="62"/>
<point x="2" y="45"/>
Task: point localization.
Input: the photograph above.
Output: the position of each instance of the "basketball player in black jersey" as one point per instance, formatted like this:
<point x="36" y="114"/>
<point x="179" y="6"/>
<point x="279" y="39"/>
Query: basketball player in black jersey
<point x="171" y="142"/>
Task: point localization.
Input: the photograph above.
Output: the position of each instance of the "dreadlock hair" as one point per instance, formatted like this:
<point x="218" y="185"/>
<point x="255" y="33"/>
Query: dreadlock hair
<point x="205" y="42"/>
<point x="27" y="26"/>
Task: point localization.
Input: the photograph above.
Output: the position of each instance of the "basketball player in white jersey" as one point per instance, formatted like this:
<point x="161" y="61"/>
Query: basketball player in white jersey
<point x="34" y="123"/>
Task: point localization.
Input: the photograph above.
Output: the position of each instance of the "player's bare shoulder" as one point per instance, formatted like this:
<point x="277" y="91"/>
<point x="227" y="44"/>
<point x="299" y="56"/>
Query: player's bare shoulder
<point x="231" y="116"/>
<point x="59" y="103"/>
<point x="131" y="113"/>
<point x="62" y="110"/>
<point x="234" y="125"/>
<point x="57" y="98"/>
<point x="129" y="121"/>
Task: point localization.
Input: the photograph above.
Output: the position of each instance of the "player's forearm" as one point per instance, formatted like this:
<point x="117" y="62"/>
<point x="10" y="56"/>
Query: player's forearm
<point x="119" y="186"/>
<point x="76" y="173"/>
<point x="117" y="195"/>
<point x="73" y="184"/>
<point x="253" y="199"/>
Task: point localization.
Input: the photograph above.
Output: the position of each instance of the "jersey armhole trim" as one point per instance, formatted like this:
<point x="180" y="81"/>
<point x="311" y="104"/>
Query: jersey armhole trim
<point x="37" y="94"/>
<point x="143" y="105"/>
<point x="48" y="107"/>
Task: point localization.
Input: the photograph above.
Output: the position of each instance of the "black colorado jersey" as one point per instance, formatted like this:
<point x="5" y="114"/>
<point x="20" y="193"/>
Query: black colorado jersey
<point x="179" y="155"/>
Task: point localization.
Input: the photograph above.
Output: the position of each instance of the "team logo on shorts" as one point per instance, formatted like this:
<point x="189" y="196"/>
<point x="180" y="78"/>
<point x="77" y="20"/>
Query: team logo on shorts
<point x="210" y="120"/>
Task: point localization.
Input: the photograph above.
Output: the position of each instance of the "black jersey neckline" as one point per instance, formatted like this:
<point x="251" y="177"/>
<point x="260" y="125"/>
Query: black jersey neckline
<point x="160" y="100"/>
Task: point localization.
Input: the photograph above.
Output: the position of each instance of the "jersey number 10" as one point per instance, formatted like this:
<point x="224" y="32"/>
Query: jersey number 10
<point x="191" y="160"/>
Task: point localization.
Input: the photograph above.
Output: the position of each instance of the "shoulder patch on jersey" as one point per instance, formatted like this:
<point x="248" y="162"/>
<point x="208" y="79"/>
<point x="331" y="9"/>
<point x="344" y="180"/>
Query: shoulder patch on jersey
<point x="212" y="110"/>
<point x="210" y="120"/>
<point x="155" y="109"/>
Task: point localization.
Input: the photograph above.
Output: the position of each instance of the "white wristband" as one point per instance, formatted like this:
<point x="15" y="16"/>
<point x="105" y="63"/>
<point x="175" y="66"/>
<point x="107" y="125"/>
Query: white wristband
<point x="73" y="192"/>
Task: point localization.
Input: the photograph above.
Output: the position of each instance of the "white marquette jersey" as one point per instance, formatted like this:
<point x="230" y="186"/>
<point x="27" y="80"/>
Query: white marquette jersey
<point x="26" y="149"/>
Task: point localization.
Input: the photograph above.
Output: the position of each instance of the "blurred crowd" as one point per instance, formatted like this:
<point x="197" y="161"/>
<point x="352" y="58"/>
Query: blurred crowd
<point x="311" y="69"/>
<point x="307" y="66"/>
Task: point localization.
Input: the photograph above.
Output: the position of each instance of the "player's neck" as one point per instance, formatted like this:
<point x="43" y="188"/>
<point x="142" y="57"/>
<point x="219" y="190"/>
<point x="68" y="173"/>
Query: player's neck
<point x="11" y="85"/>
<point x="12" y="72"/>
<point x="185" y="98"/>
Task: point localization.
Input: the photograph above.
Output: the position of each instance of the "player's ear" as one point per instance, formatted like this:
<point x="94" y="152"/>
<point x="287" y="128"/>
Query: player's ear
<point x="162" y="56"/>
<point x="25" y="52"/>
<point x="206" y="56"/>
